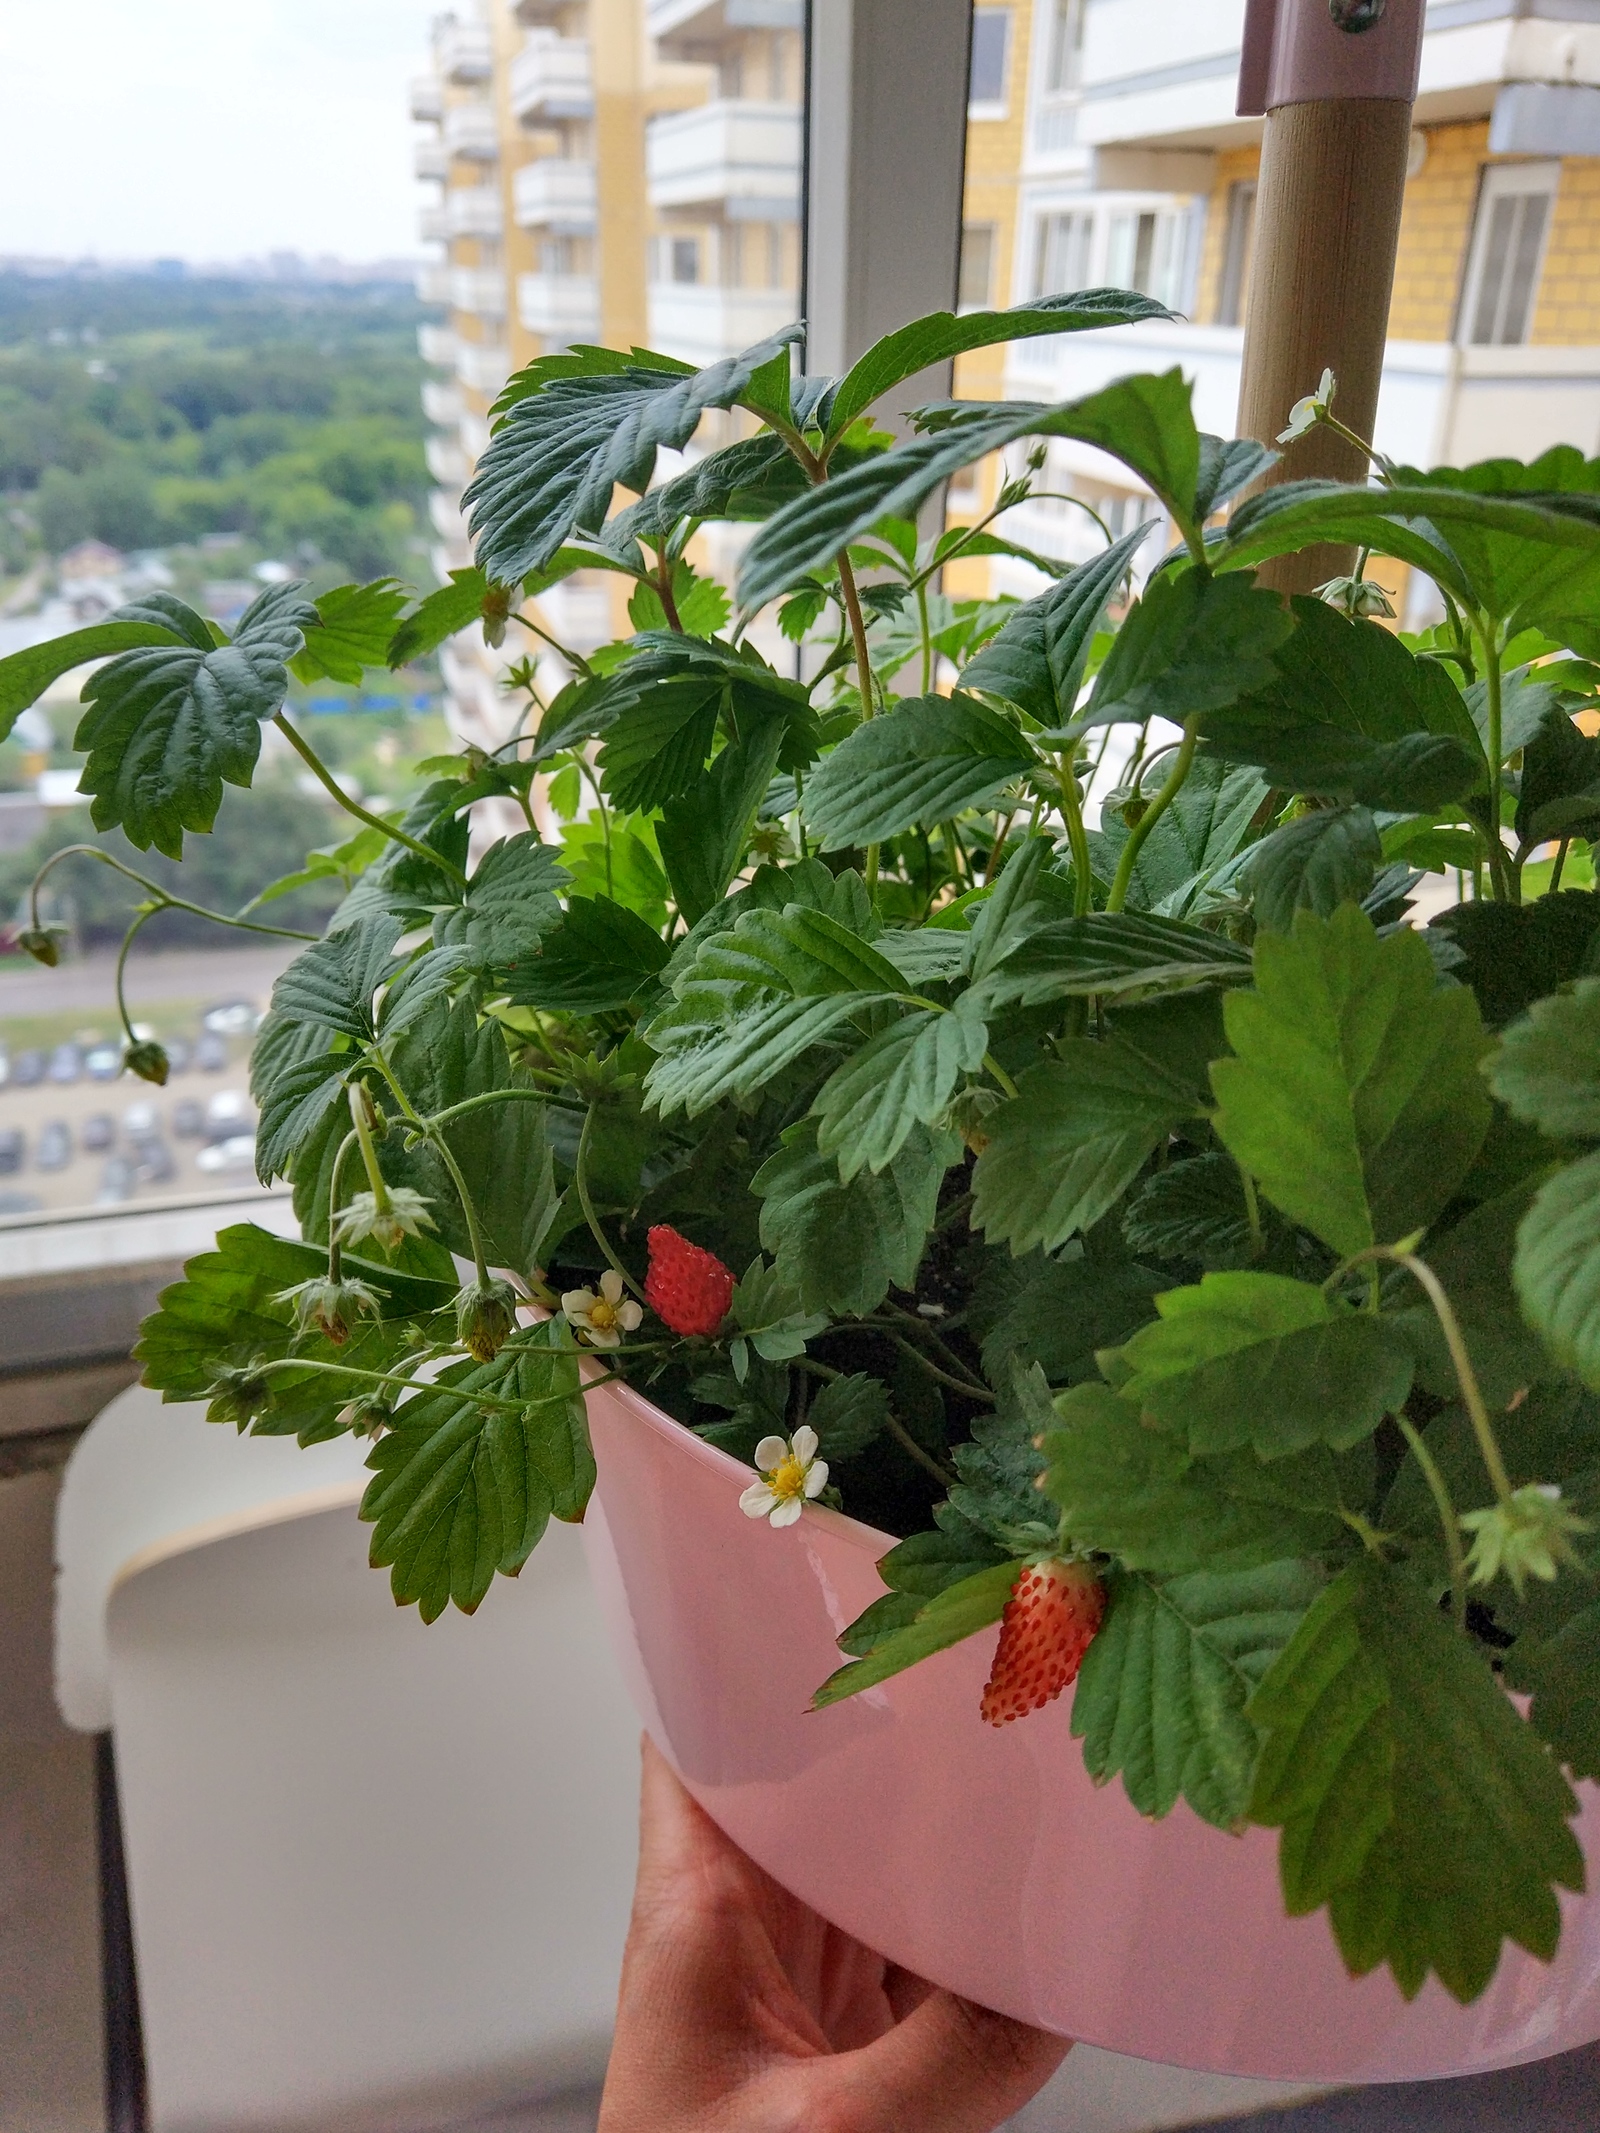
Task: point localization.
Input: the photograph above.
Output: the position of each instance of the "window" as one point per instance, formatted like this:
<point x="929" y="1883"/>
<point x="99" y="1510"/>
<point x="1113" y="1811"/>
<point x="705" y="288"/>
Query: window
<point x="977" y="265"/>
<point x="685" y="259"/>
<point x="1061" y="255"/>
<point x="991" y="48"/>
<point x="1508" y="238"/>
<point x="1236" y="244"/>
<point x="1064" y="53"/>
<point x="1144" y="251"/>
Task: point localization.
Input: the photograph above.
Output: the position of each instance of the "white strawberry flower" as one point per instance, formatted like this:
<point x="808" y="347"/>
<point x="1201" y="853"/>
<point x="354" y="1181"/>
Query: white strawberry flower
<point x="602" y="1319"/>
<point x="1307" y="413"/>
<point x="791" y="1474"/>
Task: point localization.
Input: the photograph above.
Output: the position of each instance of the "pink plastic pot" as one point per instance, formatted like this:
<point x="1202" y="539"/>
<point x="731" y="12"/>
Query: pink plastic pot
<point x="987" y="1860"/>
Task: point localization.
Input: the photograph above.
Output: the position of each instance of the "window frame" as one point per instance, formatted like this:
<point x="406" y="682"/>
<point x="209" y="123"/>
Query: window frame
<point x="1538" y="178"/>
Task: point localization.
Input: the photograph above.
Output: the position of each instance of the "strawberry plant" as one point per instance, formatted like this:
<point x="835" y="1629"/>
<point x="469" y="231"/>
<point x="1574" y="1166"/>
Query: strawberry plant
<point x="1189" y="1254"/>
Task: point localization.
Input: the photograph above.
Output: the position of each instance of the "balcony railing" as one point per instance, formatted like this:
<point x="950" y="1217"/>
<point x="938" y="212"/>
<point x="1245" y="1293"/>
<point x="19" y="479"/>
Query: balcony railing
<point x="433" y="283"/>
<point x="473" y="211"/>
<point x="464" y="51"/>
<point x="551" y="78"/>
<point x="437" y="344"/>
<point x="432" y="225"/>
<point x="684" y="28"/>
<point x="700" y="323"/>
<point x="469" y="131"/>
<point x="565" y="307"/>
<point x="441" y="401"/>
<point x="430" y="159"/>
<point x="447" y="463"/>
<point x="445" y="512"/>
<point x="478" y="290"/>
<point x="427" y="97"/>
<point x="736" y="156"/>
<point x="555" y="194"/>
<point x="484" y="366"/>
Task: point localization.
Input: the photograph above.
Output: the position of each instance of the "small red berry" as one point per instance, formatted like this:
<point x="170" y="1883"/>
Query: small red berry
<point x="689" y="1289"/>
<point x="1049" y="1623"/>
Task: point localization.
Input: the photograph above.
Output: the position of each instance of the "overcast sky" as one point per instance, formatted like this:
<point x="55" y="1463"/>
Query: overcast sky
<point x="208" y="129"/>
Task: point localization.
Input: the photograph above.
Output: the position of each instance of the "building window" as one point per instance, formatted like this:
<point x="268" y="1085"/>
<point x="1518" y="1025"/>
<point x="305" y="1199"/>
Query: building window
<point x="685" y="259"/>
<point x="1144" y="251"/>
<point x="977" y="265"/>
<point x="1236" y="243"/>
<point x="991" y="48"/>
<point x="1064" y="55"/>
<point x="1061" y="254"/>
<point x="1508" y="238"/>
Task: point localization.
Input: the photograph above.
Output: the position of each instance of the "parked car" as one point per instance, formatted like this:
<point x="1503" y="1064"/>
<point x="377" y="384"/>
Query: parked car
<point x="236" y="1153"/>
<point x="27" y="1069"/>
<point x="97" y="1133"/>
<point x="13" y="1148"/>
<point x="179" y="1055"/>
<point x="188" y="1120"/>
<point x="5" y="1064"/>
<point x="20" y="1203"/>
<point x="230" y="1018"/>
<point x="66" y="1063"/>
<point x="156" y="1162"/>
<point x="53" y="1150"/>
<point x="210" y="1052"/>
<point x="117" y="1181"/>
<point x="140" y="1120"/>
<point x="229" y="1112"/>
<point x="103" y="1062"/>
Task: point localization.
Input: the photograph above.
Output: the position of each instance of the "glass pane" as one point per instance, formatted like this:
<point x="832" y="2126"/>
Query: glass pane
<point x="1504" y="213"/>
<point x="1236" y="252"/>
<point x="991" y="40"/>
<point x="1523" y="272"/>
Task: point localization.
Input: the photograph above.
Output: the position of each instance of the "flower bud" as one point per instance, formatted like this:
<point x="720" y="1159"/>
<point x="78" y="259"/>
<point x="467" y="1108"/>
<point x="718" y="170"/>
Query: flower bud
<point x="238" y="1394"/>
<point x="368" y="1416"/>
<point x="149" y="1061"/>
<point x="331" y="1307"/>
<point x="42" y="943"/>
<point x="486" y="1313"/>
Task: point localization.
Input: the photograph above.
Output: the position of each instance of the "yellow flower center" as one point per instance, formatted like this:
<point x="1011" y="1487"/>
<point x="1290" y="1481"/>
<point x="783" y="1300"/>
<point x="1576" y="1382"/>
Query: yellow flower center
<point x="789" y="1479"/>
<point x="604" y="1316"/>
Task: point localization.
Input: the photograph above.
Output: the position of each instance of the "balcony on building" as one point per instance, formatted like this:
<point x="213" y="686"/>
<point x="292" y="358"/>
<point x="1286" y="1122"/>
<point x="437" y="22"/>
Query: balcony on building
<point x="427" y="97"/>
<point x="432" y="225"/>
<point x="538" y="14"/>
<point x="444" y="509"/>
<point x="733" y="157"/>
<point x="464" y="51"/>
<point x="557" y="194"/>
<point x="441" y="400"/>
<point x="700" y="322"/>
<point x="473" y="211"/>
<point x="692" y="29"/>
<point x="551" y="79"/>
<point x="473" y="430"/>
<point x="469" y="130"/>
<point x="447" y="463"/>
<point x="482" y="366"/>
<point x="430" y="158"/>
<point x="561" y="307"/>
<point x="480" y="291"/>
<point x="433" y="283"/>
<point x="437" y="344"/>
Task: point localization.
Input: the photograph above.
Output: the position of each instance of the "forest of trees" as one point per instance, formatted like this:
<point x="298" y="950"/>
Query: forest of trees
<point x="148" y="412"/>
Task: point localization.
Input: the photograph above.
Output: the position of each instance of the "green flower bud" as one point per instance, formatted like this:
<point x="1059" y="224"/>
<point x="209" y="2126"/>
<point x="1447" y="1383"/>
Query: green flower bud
<point x="368" y="1416"/>
<point x="239" y="1393"/>
<point x="405" y="1215"/>
<point x="330" y="1308"/>
<point x="42" y="943"/>
<point x="1529" y="1536"/>
<point x="149" y="1061"/>
<point x="486" y="1313"/>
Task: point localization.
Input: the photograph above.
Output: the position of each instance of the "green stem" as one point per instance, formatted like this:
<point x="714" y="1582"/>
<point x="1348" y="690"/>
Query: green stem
<point x="999" y="1074"/>
<point x="1561" y="860"/>
<point x="154" y="888"/>
<point x="1447" y="1519"/>
<point x="128" y="938"/>
<point x="1077" y="836"/>
<point x="858" y="634"/>
<point x="942" y="1377"/>
<point x="586" y="769"/>
<point x="334" y="1249"/>
<point x="1171" y="787"/>
<point x="441" y="1146"/>
<point x="467" y="1399"/>
<point x="369" y="1154"/>
<point x="927" y="639"/>
<point x="580" y="1178"/>
<point x="324" y="776"/>
<point x="575" y="660"/>
<point x="1504" y="888"/>
<point x="481" y="1103"/>
<point x="1252" y="1208"/>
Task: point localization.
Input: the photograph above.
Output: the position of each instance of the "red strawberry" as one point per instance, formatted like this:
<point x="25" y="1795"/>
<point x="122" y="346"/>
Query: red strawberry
<point x="689" y="1289"/>
<point x="1049" y="1623"/>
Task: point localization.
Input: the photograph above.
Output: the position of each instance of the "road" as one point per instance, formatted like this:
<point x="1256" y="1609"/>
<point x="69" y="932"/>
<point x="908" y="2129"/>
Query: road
<point x="199" y="974"/>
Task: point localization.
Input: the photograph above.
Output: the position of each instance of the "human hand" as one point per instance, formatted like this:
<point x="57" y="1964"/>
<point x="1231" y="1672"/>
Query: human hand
<point x="742" y="2011"/>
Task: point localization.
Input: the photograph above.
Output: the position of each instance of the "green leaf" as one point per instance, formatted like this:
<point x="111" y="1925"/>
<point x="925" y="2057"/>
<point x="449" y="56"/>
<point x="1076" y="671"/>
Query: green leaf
<point x="1077" y="1134"/>
<point x="1473" y="1259"/>
<point x="1037" y="660"/>
<point x="943" y="334"/>
<point x="848" y="1414"/>
<point x="455" y="606"/>
<point x="1560" y="1672"/>
<point x="842" y="1247"/>
<point x="1412" y="1798"/>
<point x="1110" y="952"/>
<point x="293" y="1103"/>
<point x="1001" y="1465"/>
<point x="704" y="833"/>
<point x="1193" y="841"/>
<point x="927" y="760"/>
<point x="25" y="675"/>
<point x="1192" y="644"/>
<point x="460" y="1492"/>
<point x="1316" y="863"/>
<point x="1560" y="788"/>
<point x="166" y="726"/>
<point x="951" y="1616"/>
<point x="1131" y="1492"/>
<point x="1557" y="1267"/>
<point x="1162" y="1695"/>
<point x="1516" y="953"/>
<point x="1354" y="1097"/>
<point x="567" y="437"/>
<point x="1062" y="1311"/>
<point x="1547" y="1069"/>
<point x="1261" y="1360"/>
<point x="510" y="908"/>
<point x="768" y="1313"/>
<point x="1192" y="1210"/>
<point x="597" y="958"/>
<point x="903" y="1077"/>
<point x="353" y="630"/>
<point x="331" y="984"/>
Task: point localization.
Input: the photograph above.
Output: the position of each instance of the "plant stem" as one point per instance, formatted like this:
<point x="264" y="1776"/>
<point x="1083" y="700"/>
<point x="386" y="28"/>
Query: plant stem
<point x="481" y="1103"/>
<point x="168" y="902"/>
<point x="1077" y="836"/>
<point x="927" y="640"/>
<point x="580" y="1178"/>
<point x="325" y="778"/>
<point x="1171" y="787"/>
<point x="669" y="606"/>
<point x="334" y="1249"/>
<point x="575" y="660"/>
<point x="943" y="1377"/>
<point x="1252" y="1208"/>
<point x="441" y="1146"/>
<point x="999" y="1073"/>
<point x="128" y="938"/>
<point x="858" y="633"/>
<point x="467" y="1399"/>
<point x="1504" y="888"/>
<point x="1447" y="1519"/>
<point x="1561" y="860"/>
<point x="369" y="1154"/>
<point x="586" y="769"/>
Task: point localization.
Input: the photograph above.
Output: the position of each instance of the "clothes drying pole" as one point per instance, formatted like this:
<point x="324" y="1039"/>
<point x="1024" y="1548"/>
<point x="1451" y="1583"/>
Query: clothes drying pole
<point x="1334" y="81"/>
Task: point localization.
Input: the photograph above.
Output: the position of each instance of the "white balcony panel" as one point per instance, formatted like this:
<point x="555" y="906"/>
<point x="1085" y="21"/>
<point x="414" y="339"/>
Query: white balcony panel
<point x="555" y="194"/>
<point x="437" y="344"/>
<point x="441" y="402"/>
<point x="473" y="431"/>
<point x="427" y="97"/>
<point x="474" y="211"/>
<point x="484" y="366"/>
<point x="580" y="615"/>
<point x="480" y="290"/>
<point x="551" y="78"/>
<point x="433" y="283"/>
<point x="447" y="463"/>
<point x="444" y="508"/>
<point x="532" y="14"/>
<point x="699" y="322"/>
<point x="464" y="51"/>
<point x="469" y="131"/>
<point x="732" y="155"/>
<point x="566" y="307"/>
<point x="684" y="29"/>
<point x="430" y="158"/>
<point x="432" y="225"/>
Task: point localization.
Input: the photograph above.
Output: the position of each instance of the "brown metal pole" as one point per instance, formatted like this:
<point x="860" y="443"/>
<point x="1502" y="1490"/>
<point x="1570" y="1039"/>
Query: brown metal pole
<point x="1337" y="104"/>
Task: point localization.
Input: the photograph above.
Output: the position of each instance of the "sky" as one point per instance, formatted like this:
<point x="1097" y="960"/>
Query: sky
<point x="209" y="129"/>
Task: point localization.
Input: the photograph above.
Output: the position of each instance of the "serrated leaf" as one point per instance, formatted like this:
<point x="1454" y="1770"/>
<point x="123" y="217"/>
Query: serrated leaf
<point x="1192" y="1210"/>
<point x="1557" y="1267"/>
<point x="768" y="1313"/>
<point x="1513" y="954"/>
<point x="843" y="1247"/>
<point x="598" y="957"/>
<point x="903" y="1077"/>
<point x="1317" y="863"/>
<point x="511" y="905"/>
<point x="929" y="759"/>
<point x="1197" y="837"/>
<point x="951" y="1616"/>
<point x="1547" y="1069"/>
<point x="1474" y="1259"/>
<point x="1134" y="1493"/>
<point x="1037" y="659"/>
<point x="848" y="1415"/>
<point x="1412" y="1798"/>
<point x="704" y="832"/>
<point x="455" y="606"/>
<point x="1063" y="1311"/>
<point x="331" y="984"/>
<point x="167" y="726"/>
<point x="1110" y="952"/>
<point x="1259" y="1359"/>
<point x="1071" y="1141"/>
<point x="1354" y="1098"/>
<point x="353" y="629"/>
<point x="1192" y="644"/>
<point x="1559" y="1672"/>
<point x="1162" y="1695"/>
<point x="25" y="675"/>
<point x="1559" y="794"/>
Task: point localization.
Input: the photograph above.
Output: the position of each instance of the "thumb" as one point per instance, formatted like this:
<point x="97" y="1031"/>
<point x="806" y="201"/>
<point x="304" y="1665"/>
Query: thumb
<point x="949" y="2067"/>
